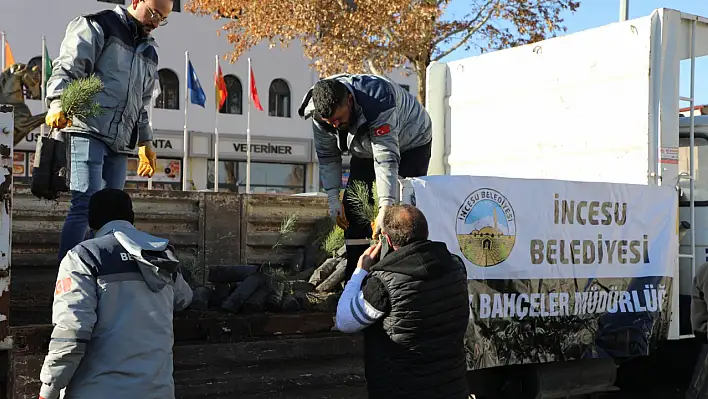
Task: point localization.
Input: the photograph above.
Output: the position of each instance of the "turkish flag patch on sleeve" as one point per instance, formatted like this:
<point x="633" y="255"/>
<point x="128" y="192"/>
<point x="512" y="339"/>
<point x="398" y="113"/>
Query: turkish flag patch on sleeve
<point x="382" y="130"/>
<point x="63" y="286"/>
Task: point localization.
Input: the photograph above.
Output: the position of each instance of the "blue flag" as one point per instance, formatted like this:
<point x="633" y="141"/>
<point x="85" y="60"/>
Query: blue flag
<point x="196" y="93"/>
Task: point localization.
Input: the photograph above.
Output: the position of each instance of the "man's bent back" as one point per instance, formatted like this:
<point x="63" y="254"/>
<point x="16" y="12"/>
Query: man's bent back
<point x="113" y="305"/>
<point x="411" y="302"/>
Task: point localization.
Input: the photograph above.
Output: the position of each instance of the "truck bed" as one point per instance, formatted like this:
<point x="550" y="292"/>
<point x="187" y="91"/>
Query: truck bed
<point x="570" y="108"/>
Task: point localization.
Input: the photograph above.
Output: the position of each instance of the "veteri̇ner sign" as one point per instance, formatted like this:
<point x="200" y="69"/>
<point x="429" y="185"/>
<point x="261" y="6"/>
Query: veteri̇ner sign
<point x="264" y="148"/>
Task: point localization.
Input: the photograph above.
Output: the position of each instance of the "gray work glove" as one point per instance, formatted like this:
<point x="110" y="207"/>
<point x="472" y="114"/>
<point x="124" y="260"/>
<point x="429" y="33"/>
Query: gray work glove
<point x="336" y="210"/>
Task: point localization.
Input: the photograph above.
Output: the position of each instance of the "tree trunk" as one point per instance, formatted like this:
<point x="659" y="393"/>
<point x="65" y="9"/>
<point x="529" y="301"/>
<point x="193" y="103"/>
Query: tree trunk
<point x="421" y="72"/>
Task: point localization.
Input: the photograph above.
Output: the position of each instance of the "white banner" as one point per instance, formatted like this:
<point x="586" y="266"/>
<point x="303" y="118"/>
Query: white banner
<point x="537" y="229"/>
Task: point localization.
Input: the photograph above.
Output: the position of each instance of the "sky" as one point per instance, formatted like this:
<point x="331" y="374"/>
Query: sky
<point x="482" y="214"/>
<point x="594" y="13"/>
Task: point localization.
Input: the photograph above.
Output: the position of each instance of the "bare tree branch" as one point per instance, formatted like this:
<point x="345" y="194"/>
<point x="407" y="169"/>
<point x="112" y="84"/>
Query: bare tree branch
<point x="466" y="37"/>
<point x="373" y="69"/>
<point x="473" y="24"/>
<point x="404" y="67"/>
<point x="389" y="33"/>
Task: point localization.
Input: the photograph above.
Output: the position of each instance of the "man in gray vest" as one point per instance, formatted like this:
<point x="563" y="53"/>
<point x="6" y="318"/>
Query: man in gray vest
<point x="112" y="313"/>
<point x="409" y="296"/>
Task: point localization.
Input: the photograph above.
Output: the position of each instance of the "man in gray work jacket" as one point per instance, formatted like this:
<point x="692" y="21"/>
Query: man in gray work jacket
<point x="386" y="131"/>
<point x="112" y="313"/>
<point x="117" y="47"/>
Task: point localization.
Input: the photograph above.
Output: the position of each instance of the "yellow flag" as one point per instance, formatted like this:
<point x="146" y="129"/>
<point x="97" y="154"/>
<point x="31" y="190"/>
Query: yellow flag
<point x="9" y="59"/>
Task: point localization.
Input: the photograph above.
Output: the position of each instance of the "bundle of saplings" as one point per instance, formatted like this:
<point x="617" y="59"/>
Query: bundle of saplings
<point x="273" y="287"/>
<point x="294" y="287"/>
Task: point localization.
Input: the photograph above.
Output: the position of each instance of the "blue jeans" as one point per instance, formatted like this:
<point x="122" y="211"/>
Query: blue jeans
<point x="93" y="166"/>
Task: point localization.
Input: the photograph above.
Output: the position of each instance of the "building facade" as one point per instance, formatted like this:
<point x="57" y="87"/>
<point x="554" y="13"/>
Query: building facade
<point x="282" y="152"/>
<point x="697" y="111"/>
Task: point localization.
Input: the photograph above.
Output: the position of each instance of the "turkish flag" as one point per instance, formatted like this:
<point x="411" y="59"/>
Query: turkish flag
<point x="254" y="93"/>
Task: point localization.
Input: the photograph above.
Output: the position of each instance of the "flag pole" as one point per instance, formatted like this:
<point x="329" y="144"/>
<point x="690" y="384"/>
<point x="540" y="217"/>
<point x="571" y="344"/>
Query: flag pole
<point x="3" y="44"/>
<point x="43" y="96"/>
<point x="185" y="133"/>
<point x="216" y="128"/>
<point x="248" y="131"/>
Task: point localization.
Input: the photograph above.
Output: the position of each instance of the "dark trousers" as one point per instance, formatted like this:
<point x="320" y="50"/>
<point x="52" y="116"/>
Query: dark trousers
<point x="414" y="163"/>
<point x="698" y="388"/>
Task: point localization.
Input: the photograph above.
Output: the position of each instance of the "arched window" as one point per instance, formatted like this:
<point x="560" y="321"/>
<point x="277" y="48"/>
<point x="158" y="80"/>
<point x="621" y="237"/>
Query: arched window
<point x="34" y="62"/>
<point x="279" y="99"/>
<point x="234" y="99"/>
<point x="169" y="90"/>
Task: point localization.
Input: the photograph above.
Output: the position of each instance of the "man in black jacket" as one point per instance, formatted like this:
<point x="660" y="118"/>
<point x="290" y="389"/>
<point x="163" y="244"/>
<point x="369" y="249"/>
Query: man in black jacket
<point x="409" y="295"/>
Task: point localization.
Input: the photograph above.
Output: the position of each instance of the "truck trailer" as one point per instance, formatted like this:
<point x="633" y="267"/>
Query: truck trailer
<point x="595" y="107"/>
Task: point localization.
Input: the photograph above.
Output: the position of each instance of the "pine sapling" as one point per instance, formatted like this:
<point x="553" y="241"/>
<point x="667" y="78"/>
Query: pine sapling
<point x="363" y="202"/>
<point x="275" y="276"/>
<point x="333" y="241"/>
<point x="77" y="98"/>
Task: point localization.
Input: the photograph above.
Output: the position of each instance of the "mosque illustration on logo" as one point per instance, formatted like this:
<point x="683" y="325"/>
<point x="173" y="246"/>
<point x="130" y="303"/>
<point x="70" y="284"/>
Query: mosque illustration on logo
<point x="486" y="228"/>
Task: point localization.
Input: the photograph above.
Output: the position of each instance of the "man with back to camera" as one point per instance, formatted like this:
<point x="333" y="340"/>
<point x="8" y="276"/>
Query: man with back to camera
<point x="112" y="312"/>
<point x="117" y="47"/>
<point x="409" y="296"/>
<point x="386" y="131"/>
<point x="698" y="387"/>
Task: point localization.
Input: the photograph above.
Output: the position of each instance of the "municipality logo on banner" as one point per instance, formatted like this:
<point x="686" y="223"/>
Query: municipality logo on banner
<point x="486" y="228"/>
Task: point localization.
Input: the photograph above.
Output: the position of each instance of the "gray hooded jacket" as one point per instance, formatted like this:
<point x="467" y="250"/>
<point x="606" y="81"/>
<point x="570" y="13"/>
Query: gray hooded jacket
<point x="389" y="121"/>
<point x="112" y="314"/>
<point x="107" y="44"/>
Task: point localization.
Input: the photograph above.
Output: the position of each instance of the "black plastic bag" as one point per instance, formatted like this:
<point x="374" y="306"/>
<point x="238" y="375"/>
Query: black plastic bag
<point x="50" y="170"/>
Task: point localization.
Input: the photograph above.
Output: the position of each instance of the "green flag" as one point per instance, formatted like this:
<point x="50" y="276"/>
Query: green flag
<point x="46" y="68"/>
